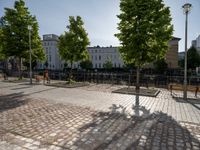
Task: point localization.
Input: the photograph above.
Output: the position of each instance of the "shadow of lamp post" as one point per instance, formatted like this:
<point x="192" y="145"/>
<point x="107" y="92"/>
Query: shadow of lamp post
<point x="186" y="9"/>
<point x="30" y="51"/>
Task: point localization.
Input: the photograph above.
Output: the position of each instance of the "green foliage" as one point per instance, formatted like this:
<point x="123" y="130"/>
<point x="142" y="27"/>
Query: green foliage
<point x="27" y="64"/>
<point x="73" y="43"/>
<point x="193" y="58"/>
<point x="181" y="63"/>
<point x="86" y="64"/>
<point x="16" y="33"/>
<point x="160" y="66"/>
<point x="145" y="30"/>
<point x="129" y="65"/>
<point x="108" y="64"/>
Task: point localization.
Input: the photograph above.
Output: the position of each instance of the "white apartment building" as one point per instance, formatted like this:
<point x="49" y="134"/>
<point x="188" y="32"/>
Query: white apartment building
<point x="50" y="42"/>
<point x="99" y="55"/>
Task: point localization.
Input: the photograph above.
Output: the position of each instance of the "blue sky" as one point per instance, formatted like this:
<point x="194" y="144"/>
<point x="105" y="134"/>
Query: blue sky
<point x="100" y="18"/>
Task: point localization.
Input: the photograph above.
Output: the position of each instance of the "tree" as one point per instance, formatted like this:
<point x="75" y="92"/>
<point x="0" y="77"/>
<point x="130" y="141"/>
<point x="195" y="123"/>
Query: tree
<point x="86" y="64"/>
<point x="145" y="30"/>
<point x="27" y="63"/>
<point x="73" y="43"/>
<point x="160" y="65"/>
<point x="181" y="63"/>
<point x="193" y="58"/>
<point x="16" y="34"/>
<point x="108" y="64"/>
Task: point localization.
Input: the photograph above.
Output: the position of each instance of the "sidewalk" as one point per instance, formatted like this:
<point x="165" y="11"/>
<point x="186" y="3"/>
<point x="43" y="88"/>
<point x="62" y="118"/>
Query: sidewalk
<point x="43" y="117"/>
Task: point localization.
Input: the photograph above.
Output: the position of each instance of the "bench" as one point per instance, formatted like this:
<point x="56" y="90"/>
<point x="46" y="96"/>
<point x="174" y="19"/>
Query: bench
<point x="180" y="87"/>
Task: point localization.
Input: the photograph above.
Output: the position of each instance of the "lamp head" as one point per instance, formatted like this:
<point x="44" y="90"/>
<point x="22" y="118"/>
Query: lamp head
<point x="187" y="7"/>
<point x="29" y="27"/>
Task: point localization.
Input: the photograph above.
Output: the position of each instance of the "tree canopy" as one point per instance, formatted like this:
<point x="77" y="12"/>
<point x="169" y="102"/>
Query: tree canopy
<point x="108" y="64"/>
<point x="160" y="66"/>
<point x="73" y="43"/>
<point x="193" y="58"/>
<point x="145" y="30"/>
<point x="86" y="64"/>
<point x="16" y="34"/>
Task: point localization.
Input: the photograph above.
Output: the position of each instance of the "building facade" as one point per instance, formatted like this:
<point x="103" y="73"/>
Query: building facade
<point x="171" y="56"/>
<point x="53" y="60"/>
<point x="196" y="43"/>
<point x="98" y="55"/>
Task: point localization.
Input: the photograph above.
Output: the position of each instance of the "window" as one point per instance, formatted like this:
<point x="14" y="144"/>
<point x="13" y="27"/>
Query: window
<point x="99" y="65"/>
<point x="115" y="65"/>
<point x="95" y="65"/>
<point x="119" y="65"/>
<point x="99" y="57"/>
<point x="49" y="58"/>
<point x="95" y="51"/>
<point x="95" y="57"/>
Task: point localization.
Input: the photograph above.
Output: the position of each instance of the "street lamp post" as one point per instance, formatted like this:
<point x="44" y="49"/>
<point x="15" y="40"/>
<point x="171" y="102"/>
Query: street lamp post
<point x="186" y="9"/>
<point x="30" y="53"/>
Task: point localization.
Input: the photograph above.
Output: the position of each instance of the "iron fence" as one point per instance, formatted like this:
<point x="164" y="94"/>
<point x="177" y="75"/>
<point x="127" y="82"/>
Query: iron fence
<point x="116" y="78"/>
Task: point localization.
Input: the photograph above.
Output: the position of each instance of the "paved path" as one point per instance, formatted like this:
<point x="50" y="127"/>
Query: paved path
<point x="34" y="117"/>
<point x="100" y="98"/>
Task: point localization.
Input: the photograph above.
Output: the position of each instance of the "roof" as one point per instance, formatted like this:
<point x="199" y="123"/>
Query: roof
<point x="176" y="38"/>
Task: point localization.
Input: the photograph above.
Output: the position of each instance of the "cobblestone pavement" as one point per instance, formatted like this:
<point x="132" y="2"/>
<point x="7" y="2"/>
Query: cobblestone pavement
<point x="37" y="124"/>
<point x="33" y="122"/>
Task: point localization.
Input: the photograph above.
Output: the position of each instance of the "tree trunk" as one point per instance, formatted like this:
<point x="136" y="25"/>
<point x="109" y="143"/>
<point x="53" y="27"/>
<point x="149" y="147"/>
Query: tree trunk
<point x="5" y="68"/>
<point x="70" y="73"/>
<point x="20" y="68"/>
<point x="137" y="88"/>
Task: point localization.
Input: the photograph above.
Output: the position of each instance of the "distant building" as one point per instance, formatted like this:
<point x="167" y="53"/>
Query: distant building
<point x="98" y="55"/>
<point x="181" y="55"/>
<point x="171" y="56"/>
<point x="196" y="43"/>
<point x="49" y="43"/>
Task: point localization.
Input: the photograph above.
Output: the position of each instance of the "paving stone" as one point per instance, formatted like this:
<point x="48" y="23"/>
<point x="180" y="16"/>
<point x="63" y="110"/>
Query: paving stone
<point x="44" y="124"/>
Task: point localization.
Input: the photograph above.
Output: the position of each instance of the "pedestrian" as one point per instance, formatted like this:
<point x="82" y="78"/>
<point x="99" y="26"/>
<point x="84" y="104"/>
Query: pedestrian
<point x="5" y="74"/>
<point x="46" y="76"/>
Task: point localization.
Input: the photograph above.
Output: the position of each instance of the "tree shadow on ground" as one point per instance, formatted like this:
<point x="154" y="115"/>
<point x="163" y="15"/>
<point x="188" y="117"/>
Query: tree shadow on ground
<point x="194" y="102"/>
<point x="118" y="129"/>
<point x="7" y="86"/>
<point x="24" y="87"/>
<point x="10" y="101"/>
